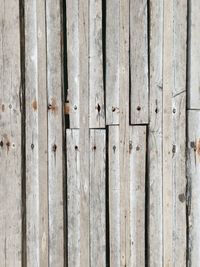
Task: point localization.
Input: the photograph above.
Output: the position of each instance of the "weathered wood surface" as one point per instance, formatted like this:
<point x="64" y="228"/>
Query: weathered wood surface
<point x="10" y="135"/>
<point x="36" y="135"/>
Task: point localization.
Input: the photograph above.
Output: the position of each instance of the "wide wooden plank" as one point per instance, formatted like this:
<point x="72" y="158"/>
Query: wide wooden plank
<point x="194" y="55"/>
<point x="55" y="134"/>
<point x="97" y="198"/>
<point x="179" y="133"/>
<point x="10" y="136"/>
<point x="155" y="204"/>
<point x="73" y="197"/>
<point x="36" y="135"/>
<point x="137" y="150"/>
<point x="96" y="86"/>
<point x="193" y="174"/>
<point x="112" y="61"/>
<point x="139" y="61"/>
<point x="72" y="18"/>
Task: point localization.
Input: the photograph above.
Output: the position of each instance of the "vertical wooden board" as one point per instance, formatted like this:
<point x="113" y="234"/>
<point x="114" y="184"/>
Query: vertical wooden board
<point x="137" y="150"/>
<point x="72" y="16"/>
<point x="139" y="61"/>
<point x="112" y="61"/>
<point x="179" y="136"/>
<point x="114" y="196"/>
<point x="96" y="87"/>
<point x="193" y="174"/>
<point x="155" y="225"/>
<point x="55" y="138"/>
<point x="97" y="198"/>
<point x="194" y="56"/>
<point x="36" y="135"/>
<point x="73" y="197"/>
<point x="10" y="135"/>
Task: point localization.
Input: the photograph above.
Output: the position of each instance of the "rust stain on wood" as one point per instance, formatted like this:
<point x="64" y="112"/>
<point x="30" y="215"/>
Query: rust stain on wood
<point x="198" y="147"/>
<point x="34" y="105"/>
<point x="66" y="108"/>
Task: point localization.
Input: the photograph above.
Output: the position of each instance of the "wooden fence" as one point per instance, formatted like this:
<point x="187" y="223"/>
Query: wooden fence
<point x="99" y="133"/>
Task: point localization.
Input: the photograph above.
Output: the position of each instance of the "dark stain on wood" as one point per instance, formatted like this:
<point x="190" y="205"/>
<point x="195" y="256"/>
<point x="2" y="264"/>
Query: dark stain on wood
<point x="34" y="105"/>
<point x="1" y="144"/>
<point x="181" y="197"/>
<point x="3" y="107"/>
<point x="130" y="146"/>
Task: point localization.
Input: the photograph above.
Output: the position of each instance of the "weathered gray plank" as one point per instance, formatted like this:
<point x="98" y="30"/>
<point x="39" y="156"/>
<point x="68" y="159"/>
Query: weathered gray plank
<point x="137" y="150"/>
<point x="112" y="61"/>
<point x="73" y="197"/>
<point x="36" y="135"/>
<point x="96" y="87"/>
<point x="72" y="16"/>
<point x="179" y="137"/>
<point x="139" y="61"/>
<point x="10" y="135"/>
<point x="193" y="173"/>
<point x="155" y="204"/>
<point x="194" y="56"/>
<point x="97" y="198"/>
<point x="55" y="142"/>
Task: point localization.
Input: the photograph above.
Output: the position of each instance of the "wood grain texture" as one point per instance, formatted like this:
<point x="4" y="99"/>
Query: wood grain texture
<point x="55" y="138"/>
<point x="155" y="203"/>
<point x="10" y="135"/>
<point x="36" y="135"/>
<point x="193" y="172"/>
<point x="139" y="62"/>
<point x="97" y="198"/>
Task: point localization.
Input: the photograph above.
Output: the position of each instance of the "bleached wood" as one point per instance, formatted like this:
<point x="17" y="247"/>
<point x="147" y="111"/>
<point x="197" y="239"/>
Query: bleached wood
<point x="10" y="136"/>
<point x="179" y="136"/>
<point x="114" y="196"/>
<point x="139" y="61"/>
<point x="97" y="198"/>
<point x="55" y="138"/>
<point x="194" y="55"/>
<point x="73" y="196"/>
<point x="72" y="16"/>
<point x="36" y="135"/>
<point x="112" y="61"/>
<point x="155" y="225"/>
<point x="137" y="150"/>
<point x="96" y="87"/>
<point x="193" y="173"/>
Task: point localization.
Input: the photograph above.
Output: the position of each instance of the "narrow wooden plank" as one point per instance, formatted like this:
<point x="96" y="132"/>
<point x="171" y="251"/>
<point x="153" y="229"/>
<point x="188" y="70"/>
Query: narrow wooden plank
<point x="97" y="198"/>
<point x="55" y="138"/>
<point x="137" y="150"/>
<point x="84" y="132"/>
<point x="96" y="87"/>
<point x="194" y="56"/>
<point x="72" y="16"/>
<point x="114" y="196"/>
<point x="193" y="173"/>
<point x="112" y="61"/>
<point x="10" y="135"/>
<point x="36" y="135"/>
<point x="179" y="136"/>
<point x="73" y="197"/>
<point x="155" y="227"/>
<point x="139" y="62"/>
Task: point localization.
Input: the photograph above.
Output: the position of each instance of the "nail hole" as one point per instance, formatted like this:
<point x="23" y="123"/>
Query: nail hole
<point x="54" y="147"/>
<point x="76" y="147"/>
<point x="1" y="143"/>
<point x="113" y="109"/>
<point x="98" y="107"/>
<point x="94" y="147"/>
<point x="137" y="148"/>
<point x="75" y="107"/>
<point x="138" y="108"/>
<point x="174" y="110"/>
<point x="156" y="110"/>
<point x="32" y="146"/>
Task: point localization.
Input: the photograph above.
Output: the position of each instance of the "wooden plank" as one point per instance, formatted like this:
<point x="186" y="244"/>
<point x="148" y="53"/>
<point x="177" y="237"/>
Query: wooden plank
<point x="112" y="61"/>
<point x="97" y="198"/>
<point x="73" y="197"/>
<point x="96" y="87"/>
<point x="114" y="196"/>
<point x="10" y="135"/>
<point x="72" y="16"/>
<point x="137" y="150"/>
<point x="55" y="138"/>
<point x="193" y="173"/>
<point x="194" y="56"/>
<point x="139" y="62"/>
<point x="36" y="135"/>
<point x="179" y="133"/>
<point x="155" y="226"/>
